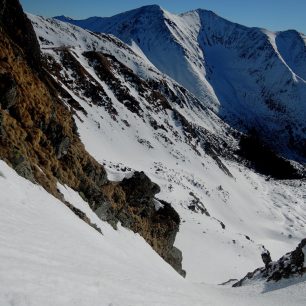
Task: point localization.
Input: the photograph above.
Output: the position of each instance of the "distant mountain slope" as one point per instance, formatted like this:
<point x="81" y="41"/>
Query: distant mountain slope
<point x="250" y="77"/>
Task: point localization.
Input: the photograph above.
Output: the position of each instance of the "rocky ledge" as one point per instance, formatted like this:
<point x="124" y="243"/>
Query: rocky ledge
<point x="133" y="203"/>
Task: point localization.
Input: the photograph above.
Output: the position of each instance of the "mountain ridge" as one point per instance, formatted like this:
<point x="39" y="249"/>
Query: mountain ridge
<point x="241" y="87"/>
<point x="156" y="7"/>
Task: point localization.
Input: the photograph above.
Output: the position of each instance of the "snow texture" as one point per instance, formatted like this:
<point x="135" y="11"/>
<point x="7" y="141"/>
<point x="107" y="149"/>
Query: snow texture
<point x="48" y="256"/>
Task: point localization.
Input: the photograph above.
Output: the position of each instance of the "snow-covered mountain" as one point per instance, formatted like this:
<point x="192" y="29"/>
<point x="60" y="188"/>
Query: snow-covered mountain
<point x="252" y="78"/>
<point x="123" y="163"/>
<point x="183" y="146"/>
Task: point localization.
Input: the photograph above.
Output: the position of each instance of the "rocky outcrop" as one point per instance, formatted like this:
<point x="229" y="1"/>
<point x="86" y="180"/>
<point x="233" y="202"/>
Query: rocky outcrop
<point x="38" y="134"/>
<point x="8" y="91"/>
<point x="133" y="203"/>
<point x="293" y="264"/>
<point x="39" y="139"/>
<point x="197" y="206"/>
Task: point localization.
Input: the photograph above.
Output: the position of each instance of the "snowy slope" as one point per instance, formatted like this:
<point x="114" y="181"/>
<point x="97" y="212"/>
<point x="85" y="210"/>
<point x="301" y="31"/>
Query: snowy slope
<point x="53" y="34"/>
<point x="225" y="219"/>
<point x="149" y="29"/>
<point x="50" y="257"/>
<point x="251" y="77"/>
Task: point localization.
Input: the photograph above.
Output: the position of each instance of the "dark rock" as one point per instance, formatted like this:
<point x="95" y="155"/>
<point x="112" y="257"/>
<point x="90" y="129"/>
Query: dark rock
<point x="139" y="189"/>
<point x="60" y="141"/>
<point x="8" y="91"/>
<point x="22" y="166"/>
<point x="98" y="175"/>
<point x="63" y="147"/>
<point x="2" y="130"/>
<point x="192" y="208"/>
<point x="212" y="153"/>
<point x="19" y="28"/>
<point x="91" y="192"/>
<point x="197" y="206"/>
<point x="230" y="281"/>
<point x="175" y="258"/>
<point x="24" y="169"/>
<point x="266" y="258"/>
<point x="104" y="212"/>
<point x="297" y="256"/>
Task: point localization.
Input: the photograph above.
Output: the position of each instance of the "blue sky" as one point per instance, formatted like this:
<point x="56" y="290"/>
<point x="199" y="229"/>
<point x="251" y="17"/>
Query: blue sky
<point x="271" y="14"/>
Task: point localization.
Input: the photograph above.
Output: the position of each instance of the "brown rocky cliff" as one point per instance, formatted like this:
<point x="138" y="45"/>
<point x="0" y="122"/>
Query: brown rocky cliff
<point x="17" y="26"/>
<point x="134" y="204"/>
<point x="39" y="139"/>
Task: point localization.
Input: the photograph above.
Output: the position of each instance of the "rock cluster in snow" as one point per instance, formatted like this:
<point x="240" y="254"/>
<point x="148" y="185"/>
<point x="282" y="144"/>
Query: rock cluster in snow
<point x="290" y="265"/>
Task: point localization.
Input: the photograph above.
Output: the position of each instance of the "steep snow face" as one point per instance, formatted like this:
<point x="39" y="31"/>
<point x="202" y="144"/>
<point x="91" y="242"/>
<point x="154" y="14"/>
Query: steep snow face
<point x="249" y="74"/>
<point x="248" y="69"/>
<point x="48" y="256"/>
<point x="250" y="77"/>
<point x="291" y="46"/>
<point x="159" y="35"/>
<point x="227" y="211"/>
<point x="53" y="34"/>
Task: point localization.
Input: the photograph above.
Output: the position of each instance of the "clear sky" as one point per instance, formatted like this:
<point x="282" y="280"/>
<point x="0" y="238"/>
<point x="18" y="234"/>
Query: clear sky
<point x="271" y="14"/>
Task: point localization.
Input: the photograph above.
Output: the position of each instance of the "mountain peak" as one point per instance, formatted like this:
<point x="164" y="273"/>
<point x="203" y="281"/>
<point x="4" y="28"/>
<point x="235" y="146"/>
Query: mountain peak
<point x="207" y="12"/>
<point x="146" y="9"/>
<point x="63" y="18"/>
<point x="151" y="7"/>
<point x="201" y="12"/>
